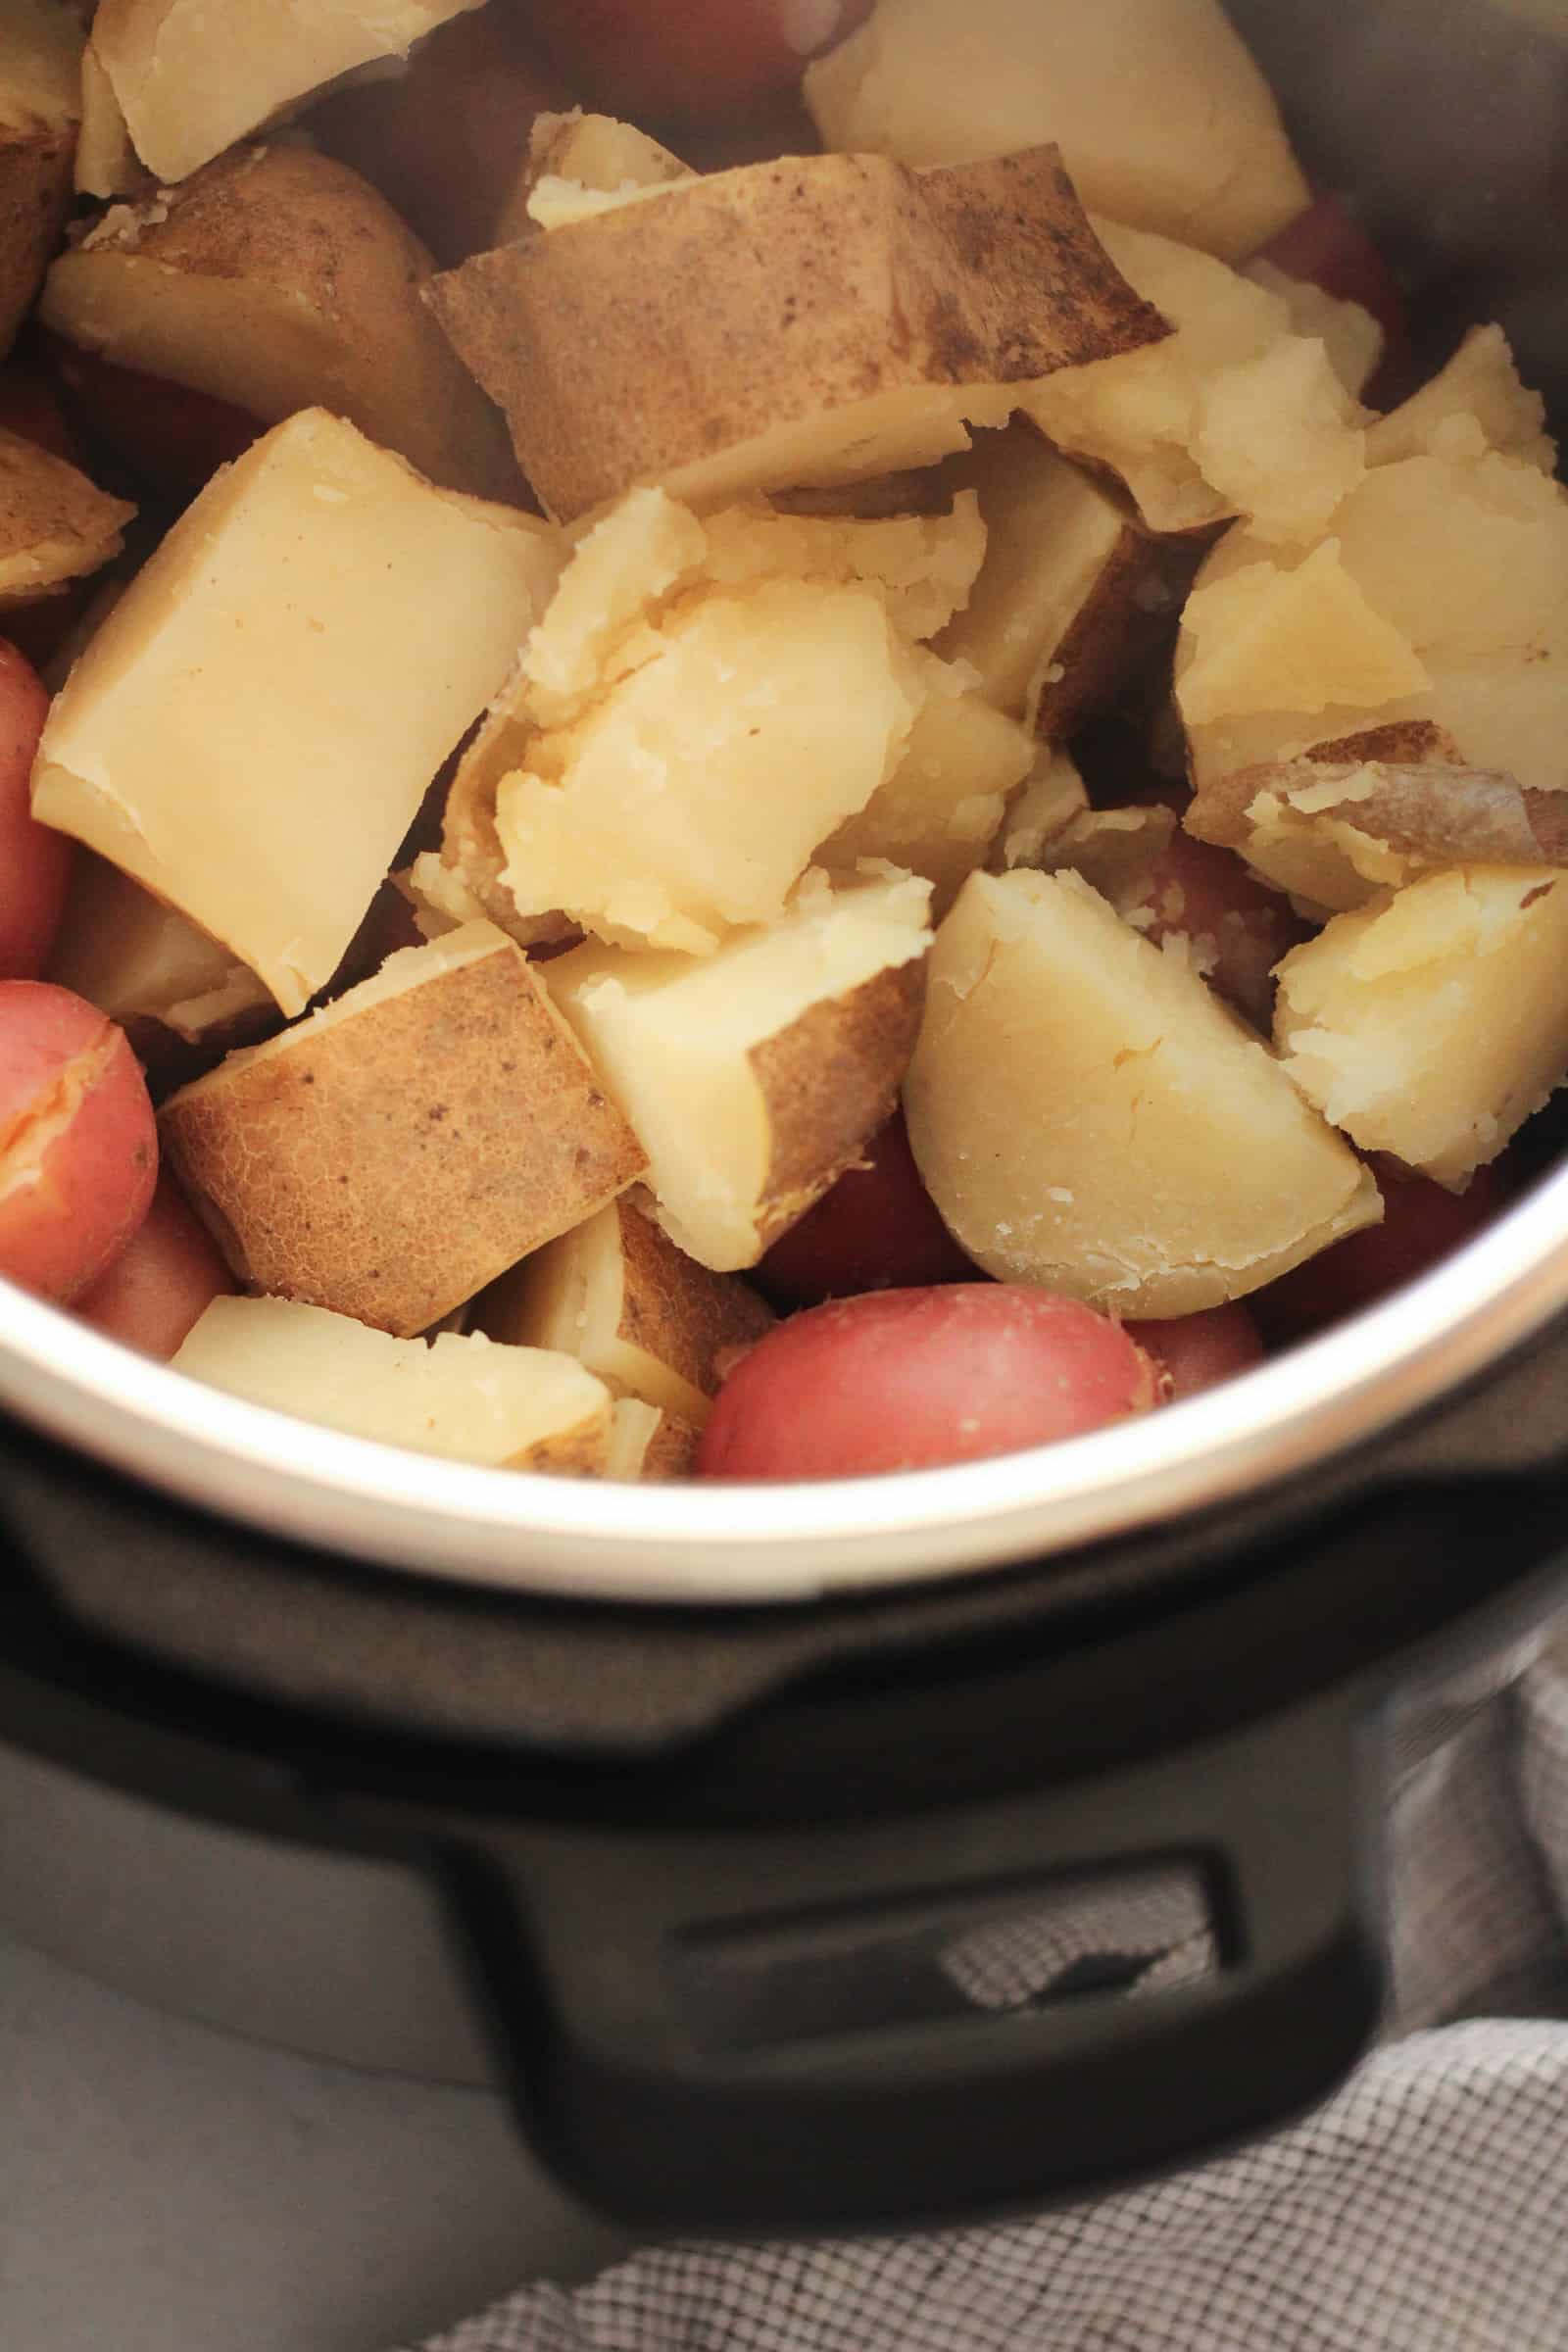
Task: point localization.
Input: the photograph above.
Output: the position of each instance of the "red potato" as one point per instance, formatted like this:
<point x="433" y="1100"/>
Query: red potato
<point x="173" y="437"/>
<point x="877" y="1230"/>
<point x="1238" y="926"/>
<point x="1198" y="1352"/>
<point x="685" y="64"/>
<point x="1421" y="1223"/>
<point x="79" y="1143"/>
<point x="166" y="1275"/>
<point x="34" y="861"/>
<point x="1329" y="247"/>
<point x="907" y="1380"/>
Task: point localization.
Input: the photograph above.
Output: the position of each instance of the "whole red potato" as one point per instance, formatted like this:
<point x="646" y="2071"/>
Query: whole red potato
<point x="79" y="1142"/>
<point x="878" y="1229"/>
<point x="168" y="1273"/>
<point x="34" y="860"/>
<point x="690" y="62"/>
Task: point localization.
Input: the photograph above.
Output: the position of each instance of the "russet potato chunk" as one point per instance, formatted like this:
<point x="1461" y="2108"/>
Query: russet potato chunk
<point x="55" y="524"/>
<point x="616" y="1293"/>
<point x="1432" y="1024"/>
<point x="1163" y="119"/>
<point x="149" y="968"/>
<point x="1087" y="1116"/>
<point x="251" y="731"/>
<point x="575" y="161"/>
<point x="507" y="1408"/>
<point x="1473" y="403"/>
<point x="648" y="1442"/>
<point x="398" y="1150"/>
<point x="192" y="77"/>
<point x="816" y="319"/>
<point x="278" y="279"/>
<point x="40" y="106"/>
<point x="752" y="1077"/>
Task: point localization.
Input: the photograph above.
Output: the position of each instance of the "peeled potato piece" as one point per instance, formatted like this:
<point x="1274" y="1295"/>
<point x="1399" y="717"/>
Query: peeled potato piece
<point x="276" y="279"/>
<point x="814" y="319"/>
<point x="1432" y="1023"/>
<point x="393" y="1154"/>
<point x="1163" y="118"/>
<point x="1476" y="402"/>
<point x="40" y="106"/>
<point x="1087" y="1116"/>
<point x="55" y="524"/>
<point x="251" y="731"/>
<point x="616" y="1293"/>
<point x="755" y="1076"/>
<point x="191" y="78"/>
<point x="149" y="968"/>
<point x="508" y="1408"/>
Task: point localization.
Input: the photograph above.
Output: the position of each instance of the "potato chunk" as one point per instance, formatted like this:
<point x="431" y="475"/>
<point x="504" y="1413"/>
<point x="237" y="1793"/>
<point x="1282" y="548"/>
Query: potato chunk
<point x="508" y="1408"/>
<point x="647" y="1442"/>
<point x="251" y="731"/>
<point x="191" y="78"/>
<point x="393" y="1154"/>
<point x="149" y="968"/>
<point x="816" y="319"/>
<point x="40" y="106"/>
<point x="55" y="524"/>
<point x="1432" y="1024"/>
<point x="645" y="1318"/>
<point x="1087" y="1116"/>
<point x="1475" y="403"/>
<point x="1163" y="118"/>
<point x="755" y="1076"/>
<point x="277" y="280"/>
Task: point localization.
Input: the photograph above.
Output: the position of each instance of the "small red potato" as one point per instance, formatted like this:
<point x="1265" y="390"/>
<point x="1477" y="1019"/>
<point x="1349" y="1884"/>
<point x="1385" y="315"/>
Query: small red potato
<point x="1422" y="1222"/>
<point x="1329" y="248"/>
<point x="1198" y="1352"/>
<point x="876" y="1230"/>
<point x="907" y="1380"/>
<point x="34" y="860"/>
<point x="79" y="1144"/>
<point x="162" y="1281"/>
<point x="661" y="64"/>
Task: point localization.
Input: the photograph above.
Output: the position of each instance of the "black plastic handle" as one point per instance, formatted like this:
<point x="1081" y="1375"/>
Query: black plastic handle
<point x="676" y="2108"/>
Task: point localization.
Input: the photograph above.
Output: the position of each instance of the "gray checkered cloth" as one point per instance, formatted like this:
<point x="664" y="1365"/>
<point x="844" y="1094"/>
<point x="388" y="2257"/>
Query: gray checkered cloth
<point x="1425" y="2209"/>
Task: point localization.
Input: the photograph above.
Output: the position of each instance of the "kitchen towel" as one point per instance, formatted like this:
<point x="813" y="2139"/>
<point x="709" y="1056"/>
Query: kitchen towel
<point x="1424" y="2209"/>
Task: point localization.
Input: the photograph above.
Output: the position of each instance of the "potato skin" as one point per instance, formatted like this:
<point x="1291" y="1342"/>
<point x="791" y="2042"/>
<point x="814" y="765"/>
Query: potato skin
<point x="35" y="202"/>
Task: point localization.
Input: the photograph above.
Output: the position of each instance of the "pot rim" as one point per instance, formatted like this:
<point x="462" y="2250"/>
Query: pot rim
<point x="728" y="1543"/>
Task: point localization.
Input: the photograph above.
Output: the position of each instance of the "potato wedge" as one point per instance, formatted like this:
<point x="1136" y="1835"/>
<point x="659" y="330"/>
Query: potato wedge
<point x="575" y="156"/>
<point x="647" y="1442"/>
<point x="149" y="969"/>
<point x="816" y="319"/>
<point x="55" y="524"/>
<point x="1074" y="1092"/>
<point x="192" y="78"/>
<point x="1073" y="596"/>
<point x="276" y="279"/>
<point x="391" y="610"/>
<point x="393" y="1154"/>
<point x="508" y="1408"/>
<point x="40" y="105"/>
<point x="1432" y="1024"/>
<point x="755" y="1076"/>
<point x="1163" y="119"/>
<point x="645" y="1318"/>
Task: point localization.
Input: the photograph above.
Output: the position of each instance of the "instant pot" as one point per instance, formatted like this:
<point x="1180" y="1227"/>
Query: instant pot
<point x="670" y="1805"/>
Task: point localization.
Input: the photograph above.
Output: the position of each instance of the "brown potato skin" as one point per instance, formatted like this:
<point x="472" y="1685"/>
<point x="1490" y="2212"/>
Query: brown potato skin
<point x="49" y="510"/>
<point x="389" y="1165"/>
<point x="656" y="335"/>
<point x="35" y="168"/>
<point x="676" y="1309"/>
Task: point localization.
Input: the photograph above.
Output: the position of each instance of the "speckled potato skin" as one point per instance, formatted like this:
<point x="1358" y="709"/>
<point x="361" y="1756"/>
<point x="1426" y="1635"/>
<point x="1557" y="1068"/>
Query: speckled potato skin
<point x="1122" y="624"/>
<point x="830" y="1081"/>
<point x="393" y="1163"/>
<point x="675" y="1308"/>
<point x="55" y="524"/>
<point x="35" y="168"/>
<point x="624" y="347"/>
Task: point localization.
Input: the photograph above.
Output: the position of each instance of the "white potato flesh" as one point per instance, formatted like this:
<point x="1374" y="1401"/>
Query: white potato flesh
<point x="1087" y="1116"/>
<point x="1350" y="334"/>
<point x="251" y="731"/>
<point x="1430" y="1024"/>
<point x="1162" y="117"/>
<point x="139" y="961"/>
<point x="465" y="1398"/>
<point x="752" y="1077"/>
<point x="1476" y="402"/>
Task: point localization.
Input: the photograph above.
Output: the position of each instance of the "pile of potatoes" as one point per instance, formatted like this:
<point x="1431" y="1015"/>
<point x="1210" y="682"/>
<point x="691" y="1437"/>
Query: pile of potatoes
<point x="601" y="685"/>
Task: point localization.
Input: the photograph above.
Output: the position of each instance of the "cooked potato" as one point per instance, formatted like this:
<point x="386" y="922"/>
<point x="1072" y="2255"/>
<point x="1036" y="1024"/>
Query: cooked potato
<point x="572" y="159"/>
<point x="1050" y="801"/>
<point x="55" y="524"/>
<point x="1163" y="119"/>
<point x="1073" y="594"/>
<point x="191" y="78"/>
<point x="814" y="319"/>
<point x="1074" y="1092"/>
<point x="755" y="1076"/>
<point x="40" y="105"/>
<point x="276" y="281"/>
<point x="149" y="968"/>
<point x="508" y="1408"/>
<point x="1352" y="338"/>
<point x="107" y="164"/>
<point x="394" y="1152"/>
<point x="647" y="1442"/>
<point x="645" y="1318"/>
<point x="252" y="730"/>
<point x="1236" y="414"/>
<point x="1475" y="403"/>
<point x="1432" y="1024"/>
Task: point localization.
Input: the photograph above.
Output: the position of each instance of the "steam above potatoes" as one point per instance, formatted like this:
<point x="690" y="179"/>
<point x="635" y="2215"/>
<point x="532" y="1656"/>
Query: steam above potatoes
<point x="635" y="747"/>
